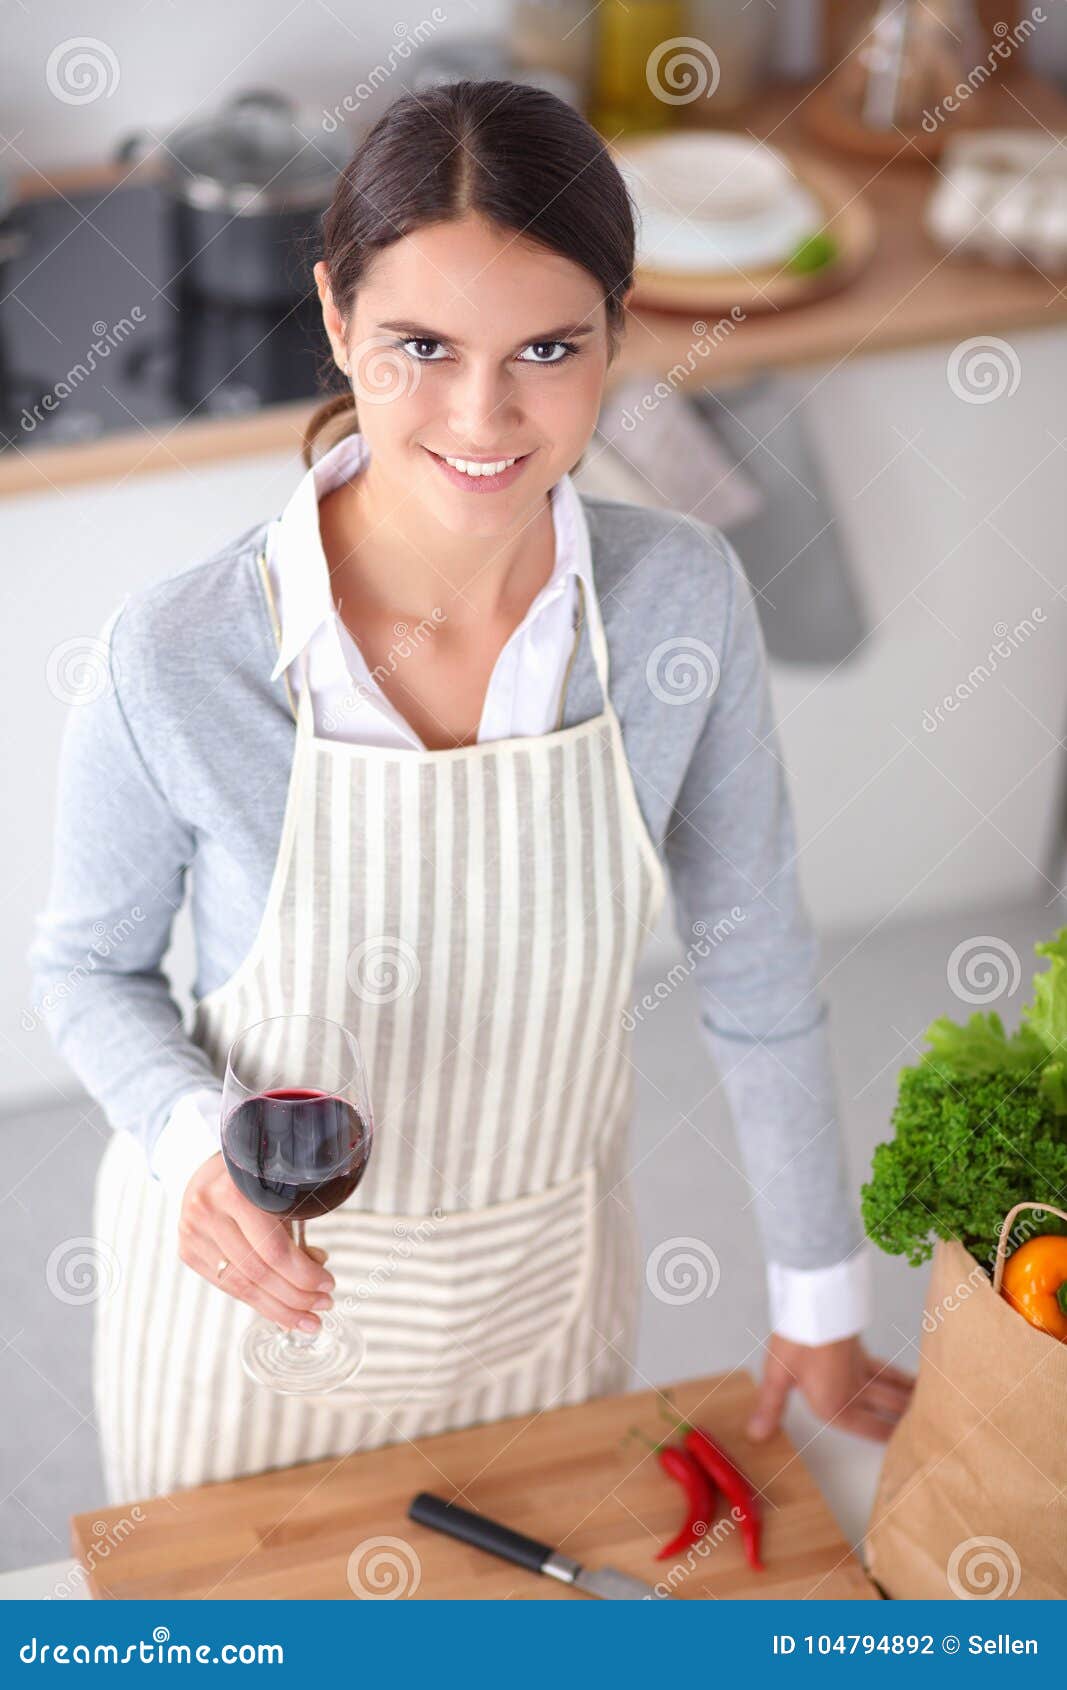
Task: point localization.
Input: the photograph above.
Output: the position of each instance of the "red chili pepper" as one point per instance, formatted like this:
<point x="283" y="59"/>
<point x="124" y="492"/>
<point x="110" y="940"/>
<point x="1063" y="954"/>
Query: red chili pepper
<point x="717" y="1464"/>
<point x="700" y="1494"/>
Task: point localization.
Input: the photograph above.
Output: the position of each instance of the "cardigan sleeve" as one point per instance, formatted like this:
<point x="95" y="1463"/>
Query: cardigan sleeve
<point x="731" y="852"/>
<point x="119" y="864"/>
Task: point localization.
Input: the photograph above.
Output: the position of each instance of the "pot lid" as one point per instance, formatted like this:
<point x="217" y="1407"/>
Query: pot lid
<point x="254" y="157"/>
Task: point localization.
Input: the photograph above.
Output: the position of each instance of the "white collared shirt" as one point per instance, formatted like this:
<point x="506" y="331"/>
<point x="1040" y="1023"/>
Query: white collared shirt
<point x="523" y="695"/>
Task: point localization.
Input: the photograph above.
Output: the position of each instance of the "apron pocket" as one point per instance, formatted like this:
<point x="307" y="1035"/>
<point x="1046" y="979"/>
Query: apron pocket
<point x="450" y="1304"/>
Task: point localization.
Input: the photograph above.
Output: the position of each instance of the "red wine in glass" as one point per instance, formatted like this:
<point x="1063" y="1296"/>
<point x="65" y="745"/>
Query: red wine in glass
<point x="296" y="1137"/>
<point x="294" y="1152"/>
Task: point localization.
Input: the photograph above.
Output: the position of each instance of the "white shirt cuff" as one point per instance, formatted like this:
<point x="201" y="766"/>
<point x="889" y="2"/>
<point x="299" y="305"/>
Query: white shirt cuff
<point x="190" y="1135"/>
<point x="820" y="1305"/>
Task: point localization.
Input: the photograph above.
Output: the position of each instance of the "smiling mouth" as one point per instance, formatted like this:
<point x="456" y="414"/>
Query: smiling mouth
<point x="479" y="469"/>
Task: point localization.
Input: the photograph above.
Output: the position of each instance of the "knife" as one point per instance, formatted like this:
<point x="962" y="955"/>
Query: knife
<point x="483" y="1533"/>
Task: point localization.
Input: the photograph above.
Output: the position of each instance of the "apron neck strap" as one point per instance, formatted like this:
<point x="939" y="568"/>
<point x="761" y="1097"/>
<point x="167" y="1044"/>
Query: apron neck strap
<point x="597" y="637"/>
<point x="305" y="721"/>
<point x="268" y="590"/>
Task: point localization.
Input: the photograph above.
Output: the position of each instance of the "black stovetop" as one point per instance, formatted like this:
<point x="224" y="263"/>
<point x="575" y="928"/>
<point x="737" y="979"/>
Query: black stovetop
<point x="96" y="337"/>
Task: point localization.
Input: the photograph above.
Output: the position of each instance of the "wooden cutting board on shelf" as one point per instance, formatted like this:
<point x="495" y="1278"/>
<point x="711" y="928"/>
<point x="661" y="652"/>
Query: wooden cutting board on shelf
<point x="575" y="1478"/>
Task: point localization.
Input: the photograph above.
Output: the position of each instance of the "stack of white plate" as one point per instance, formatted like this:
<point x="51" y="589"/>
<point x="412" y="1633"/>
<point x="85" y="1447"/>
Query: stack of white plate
<point x="715" y="202"/>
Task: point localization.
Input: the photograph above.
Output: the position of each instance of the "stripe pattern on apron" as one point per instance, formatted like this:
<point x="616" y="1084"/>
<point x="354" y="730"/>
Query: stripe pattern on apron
<point x="475" y="917"/>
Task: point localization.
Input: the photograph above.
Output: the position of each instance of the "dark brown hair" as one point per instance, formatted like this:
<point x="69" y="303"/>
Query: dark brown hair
<point x="518" y="155"/>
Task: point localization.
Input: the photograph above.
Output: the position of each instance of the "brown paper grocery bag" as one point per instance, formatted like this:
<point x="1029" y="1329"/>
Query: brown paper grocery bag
<point x="972" y="1498"/>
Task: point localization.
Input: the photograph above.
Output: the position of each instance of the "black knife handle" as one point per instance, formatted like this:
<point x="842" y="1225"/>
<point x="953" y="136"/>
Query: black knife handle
<point x="478" y="1530"/>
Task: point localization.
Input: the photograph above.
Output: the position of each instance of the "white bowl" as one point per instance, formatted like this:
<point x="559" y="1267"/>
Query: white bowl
<point x="716" y="202"/>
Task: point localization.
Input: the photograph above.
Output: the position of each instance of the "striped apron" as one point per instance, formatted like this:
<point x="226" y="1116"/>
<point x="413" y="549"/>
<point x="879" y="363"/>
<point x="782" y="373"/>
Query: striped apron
<point x="475" y="917"/>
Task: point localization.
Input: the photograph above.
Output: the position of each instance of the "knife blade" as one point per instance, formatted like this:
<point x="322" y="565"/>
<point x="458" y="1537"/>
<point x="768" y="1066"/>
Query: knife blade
<point x="610" y="1583"/>
<point x="483" y="1533"/>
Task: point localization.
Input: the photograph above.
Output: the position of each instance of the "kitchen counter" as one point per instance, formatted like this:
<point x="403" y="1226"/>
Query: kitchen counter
<point x="910" y="293"/>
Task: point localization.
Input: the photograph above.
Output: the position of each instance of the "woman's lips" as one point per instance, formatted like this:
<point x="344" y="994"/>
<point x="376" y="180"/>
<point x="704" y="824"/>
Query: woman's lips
<point x="481" y="483"/>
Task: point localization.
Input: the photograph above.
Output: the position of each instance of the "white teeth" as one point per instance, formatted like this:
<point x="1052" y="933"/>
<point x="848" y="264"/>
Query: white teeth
<point x="468" y="468"/>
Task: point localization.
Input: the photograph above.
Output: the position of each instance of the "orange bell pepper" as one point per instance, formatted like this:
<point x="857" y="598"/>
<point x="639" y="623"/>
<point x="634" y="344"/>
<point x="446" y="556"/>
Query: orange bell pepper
<point x="1035" y="1283"/>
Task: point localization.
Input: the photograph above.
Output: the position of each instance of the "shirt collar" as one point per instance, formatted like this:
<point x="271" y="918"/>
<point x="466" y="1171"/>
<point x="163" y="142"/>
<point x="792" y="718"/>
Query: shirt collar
<point x="302" y="573"/>
<point x="301" y="570"/>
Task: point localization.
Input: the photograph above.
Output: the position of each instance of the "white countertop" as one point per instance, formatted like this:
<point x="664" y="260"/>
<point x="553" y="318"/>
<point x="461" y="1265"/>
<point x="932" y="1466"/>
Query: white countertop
<point x="58" y="1580"/>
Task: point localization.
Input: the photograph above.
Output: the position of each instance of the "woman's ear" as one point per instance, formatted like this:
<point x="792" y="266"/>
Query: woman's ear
<point x="331" y="317"/>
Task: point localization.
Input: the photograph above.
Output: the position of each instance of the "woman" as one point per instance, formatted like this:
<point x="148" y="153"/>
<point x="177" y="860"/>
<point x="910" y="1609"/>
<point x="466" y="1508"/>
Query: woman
<point x="457" y="852"/>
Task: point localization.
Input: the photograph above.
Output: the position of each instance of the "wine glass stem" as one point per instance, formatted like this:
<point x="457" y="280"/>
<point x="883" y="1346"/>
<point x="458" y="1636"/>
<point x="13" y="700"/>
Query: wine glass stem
<point x="299" y="1340"/>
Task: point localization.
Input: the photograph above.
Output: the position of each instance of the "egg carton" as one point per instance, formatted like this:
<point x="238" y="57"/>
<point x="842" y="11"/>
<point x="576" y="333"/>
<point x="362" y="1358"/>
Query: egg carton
<point x="1003" y="194"/>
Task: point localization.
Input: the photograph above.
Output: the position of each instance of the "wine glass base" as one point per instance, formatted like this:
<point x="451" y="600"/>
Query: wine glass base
<point x="302" y="1365"/>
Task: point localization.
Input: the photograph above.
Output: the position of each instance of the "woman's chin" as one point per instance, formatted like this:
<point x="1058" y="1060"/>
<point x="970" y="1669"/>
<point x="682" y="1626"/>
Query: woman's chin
<point x="471" y="514"/>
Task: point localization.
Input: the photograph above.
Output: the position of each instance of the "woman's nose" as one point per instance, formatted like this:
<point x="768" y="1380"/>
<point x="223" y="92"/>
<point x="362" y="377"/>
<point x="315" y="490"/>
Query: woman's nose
<point x="482" y="410"/>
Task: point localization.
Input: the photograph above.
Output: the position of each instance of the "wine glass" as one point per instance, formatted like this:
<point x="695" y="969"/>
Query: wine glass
<point x="296" y="1138"/>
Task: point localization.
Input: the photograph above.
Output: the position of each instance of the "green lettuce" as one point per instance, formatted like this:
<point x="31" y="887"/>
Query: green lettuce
<point x="980" y="1124"/>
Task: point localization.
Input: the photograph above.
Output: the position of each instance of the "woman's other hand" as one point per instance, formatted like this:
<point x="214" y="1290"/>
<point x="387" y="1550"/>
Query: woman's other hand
<point x="266" y="1269"/>
<point x="840" y="1382"/>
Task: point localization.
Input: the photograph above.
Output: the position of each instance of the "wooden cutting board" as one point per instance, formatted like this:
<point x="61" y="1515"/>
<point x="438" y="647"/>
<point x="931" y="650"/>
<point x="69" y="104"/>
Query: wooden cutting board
<point x="572" y="1477"/>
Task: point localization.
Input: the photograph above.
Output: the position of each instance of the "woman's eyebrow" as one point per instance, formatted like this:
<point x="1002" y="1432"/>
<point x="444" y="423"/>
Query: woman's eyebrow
<point x="417" y="331"/>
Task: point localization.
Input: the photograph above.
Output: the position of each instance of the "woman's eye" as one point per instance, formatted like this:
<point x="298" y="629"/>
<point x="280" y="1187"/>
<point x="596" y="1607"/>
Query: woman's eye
<point x="419" y="359"/>
<point x="537" y="345"/>
<point x="423" y="349"/>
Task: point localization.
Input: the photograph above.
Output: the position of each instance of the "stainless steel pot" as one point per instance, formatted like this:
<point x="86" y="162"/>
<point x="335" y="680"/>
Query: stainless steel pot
<point x="248" y="187"/>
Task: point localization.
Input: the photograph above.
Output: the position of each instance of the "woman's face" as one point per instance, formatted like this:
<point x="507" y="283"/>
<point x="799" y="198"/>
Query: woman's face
<point x="468" y="341"/>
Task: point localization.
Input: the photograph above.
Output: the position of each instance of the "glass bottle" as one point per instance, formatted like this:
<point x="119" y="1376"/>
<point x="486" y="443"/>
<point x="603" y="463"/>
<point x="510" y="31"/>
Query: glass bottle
<point x="637" y="65"/>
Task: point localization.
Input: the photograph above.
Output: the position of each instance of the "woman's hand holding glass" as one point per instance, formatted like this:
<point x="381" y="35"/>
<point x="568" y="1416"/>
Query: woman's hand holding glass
<point x="265" y="1268"/>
